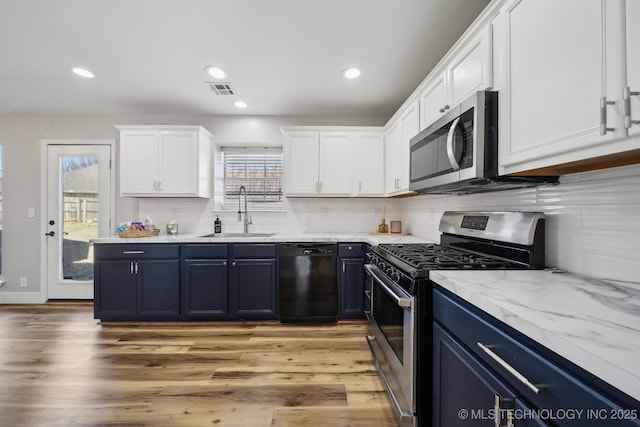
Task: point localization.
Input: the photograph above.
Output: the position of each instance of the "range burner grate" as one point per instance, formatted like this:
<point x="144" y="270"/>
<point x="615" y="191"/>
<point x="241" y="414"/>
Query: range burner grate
<point x="433" y="256"/>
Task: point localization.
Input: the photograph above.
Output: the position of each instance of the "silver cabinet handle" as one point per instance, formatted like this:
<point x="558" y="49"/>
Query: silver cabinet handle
<point x="224" y="263"/>
<point x="132" y="252"/>
<point x="603" y="115"/>
<point x="509" y="368"/>
<point x="450" y="149"/>
<point x="234" y="263"/>
<point x="628" y="122"/>
<point x="496" y="408"/>
<point x="131" y="267"/>
<point x="136" y="269"/>
<point x="344" y="266"/>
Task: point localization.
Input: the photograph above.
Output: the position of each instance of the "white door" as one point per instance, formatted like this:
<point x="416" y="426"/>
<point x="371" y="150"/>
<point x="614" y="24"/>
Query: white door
<point x="78" y="209"/>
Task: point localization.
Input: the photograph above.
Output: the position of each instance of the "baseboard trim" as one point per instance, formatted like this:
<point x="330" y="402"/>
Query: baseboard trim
<point x="21" y="298"/>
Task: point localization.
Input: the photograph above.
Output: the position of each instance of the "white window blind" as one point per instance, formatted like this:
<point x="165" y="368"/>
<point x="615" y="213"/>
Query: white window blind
<point x="260" y="170"/>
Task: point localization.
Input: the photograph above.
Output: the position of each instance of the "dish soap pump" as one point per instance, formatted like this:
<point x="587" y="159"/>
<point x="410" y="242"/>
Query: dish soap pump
<point x="217" y="225"/>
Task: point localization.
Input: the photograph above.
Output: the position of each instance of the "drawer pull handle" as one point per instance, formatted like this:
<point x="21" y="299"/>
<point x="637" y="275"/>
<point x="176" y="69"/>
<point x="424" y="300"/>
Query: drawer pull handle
<point x="509" y="368"/>
<point x="132" y="252"/>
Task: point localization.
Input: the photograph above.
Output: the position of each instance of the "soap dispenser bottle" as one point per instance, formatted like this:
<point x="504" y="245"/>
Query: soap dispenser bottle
<point x="217" y="225"/>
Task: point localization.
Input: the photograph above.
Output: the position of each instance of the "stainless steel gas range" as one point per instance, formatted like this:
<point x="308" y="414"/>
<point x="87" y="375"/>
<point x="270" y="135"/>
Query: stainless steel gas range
<point x="400" y="320"/>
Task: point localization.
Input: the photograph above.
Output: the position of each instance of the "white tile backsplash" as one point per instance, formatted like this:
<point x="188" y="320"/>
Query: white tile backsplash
<point x="592" y="225"/>
<point x="593" y="219"/>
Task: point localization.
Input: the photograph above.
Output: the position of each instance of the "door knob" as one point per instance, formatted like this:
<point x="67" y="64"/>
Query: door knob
<point x="50" y="234"/>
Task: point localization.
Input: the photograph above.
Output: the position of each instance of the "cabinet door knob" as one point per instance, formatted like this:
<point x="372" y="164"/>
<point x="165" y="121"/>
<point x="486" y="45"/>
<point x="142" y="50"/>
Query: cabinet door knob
<point x="233" y="263"/>
<point x="224" y="263"/>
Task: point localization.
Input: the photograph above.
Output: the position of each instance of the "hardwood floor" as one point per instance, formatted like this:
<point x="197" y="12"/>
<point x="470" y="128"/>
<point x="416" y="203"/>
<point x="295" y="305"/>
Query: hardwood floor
<point x="61" y="367"/>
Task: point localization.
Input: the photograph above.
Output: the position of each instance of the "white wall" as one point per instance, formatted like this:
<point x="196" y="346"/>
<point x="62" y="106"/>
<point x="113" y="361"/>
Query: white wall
<point x="21" y="137"/>
<point x="593" y="219"/>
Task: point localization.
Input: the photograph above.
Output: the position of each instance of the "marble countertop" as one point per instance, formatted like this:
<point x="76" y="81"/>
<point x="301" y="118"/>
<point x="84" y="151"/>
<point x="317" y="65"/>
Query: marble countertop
<point x="592" y="323"/>
<point x="373" y="239"/>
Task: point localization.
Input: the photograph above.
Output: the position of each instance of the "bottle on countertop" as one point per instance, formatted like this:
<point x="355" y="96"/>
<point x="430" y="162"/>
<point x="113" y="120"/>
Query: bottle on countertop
<point x="217" y="225"/>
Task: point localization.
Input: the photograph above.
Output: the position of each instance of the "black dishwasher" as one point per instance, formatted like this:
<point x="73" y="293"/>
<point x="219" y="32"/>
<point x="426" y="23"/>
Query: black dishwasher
<point x="308" y="284"/>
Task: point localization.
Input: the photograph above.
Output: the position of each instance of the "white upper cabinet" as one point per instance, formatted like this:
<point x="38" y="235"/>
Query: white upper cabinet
<point x="399" y="133"/>
<point x="469" y="70"/>
<point x="632" y="57"/>
<point x="393" y="151"/>
<point x="335" y="164"/>
<point x="562" y="97"/>
<point x="369" y="163"/>
<point x="301" y="159"/>
<point x="318" y="163"/>
<point x="165" y="161"/>
<point x="433" y="101"/>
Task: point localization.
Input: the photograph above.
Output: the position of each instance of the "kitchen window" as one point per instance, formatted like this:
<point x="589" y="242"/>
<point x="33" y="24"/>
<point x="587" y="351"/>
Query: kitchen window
<point x="260" y="170"/>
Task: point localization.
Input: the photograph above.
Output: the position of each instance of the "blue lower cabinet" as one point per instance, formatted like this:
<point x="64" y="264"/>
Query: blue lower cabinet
<point x="253" y="281"/>
<point x="474" y="351"/>
<point x="253" y="289"/>
<point x="467" y="393"/>
<point x="115" y="292"/>
<point x="204" y="290"/>
<point x="205" y="281"/>
<point x="351" y="281"/>
<point x="159" y="289"/>
<point x="136" y="282"/>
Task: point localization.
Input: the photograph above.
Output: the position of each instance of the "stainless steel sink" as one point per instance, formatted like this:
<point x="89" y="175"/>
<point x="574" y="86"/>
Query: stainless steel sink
<point x="238" y="235"/>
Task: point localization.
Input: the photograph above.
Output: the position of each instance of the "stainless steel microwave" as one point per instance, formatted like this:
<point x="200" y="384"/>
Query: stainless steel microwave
<point x="459" y="152"/>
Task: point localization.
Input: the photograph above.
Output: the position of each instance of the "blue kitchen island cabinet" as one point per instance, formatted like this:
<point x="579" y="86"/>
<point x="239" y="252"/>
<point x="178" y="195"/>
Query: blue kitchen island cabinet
<point x="483" y="367"/>
<point x="136" y="281"/>
<point x="253" y="282"/>
<point x="204" y="282"/>
<point x="350" y="281"/>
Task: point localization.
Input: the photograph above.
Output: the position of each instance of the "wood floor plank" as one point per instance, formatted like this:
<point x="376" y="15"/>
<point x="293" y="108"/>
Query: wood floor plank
<point x="61" y="367"/>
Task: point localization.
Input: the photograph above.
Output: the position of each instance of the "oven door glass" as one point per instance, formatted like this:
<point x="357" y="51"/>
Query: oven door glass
<point x="390" y="319"/>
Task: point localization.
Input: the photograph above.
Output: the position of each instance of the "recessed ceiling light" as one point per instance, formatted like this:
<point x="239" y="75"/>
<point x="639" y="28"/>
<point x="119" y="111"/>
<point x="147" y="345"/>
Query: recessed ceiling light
<point x="351" y="73"/>
<point x="217" y="72"/>
<point x="240" y="104"/>
<point x="83" y="72"/>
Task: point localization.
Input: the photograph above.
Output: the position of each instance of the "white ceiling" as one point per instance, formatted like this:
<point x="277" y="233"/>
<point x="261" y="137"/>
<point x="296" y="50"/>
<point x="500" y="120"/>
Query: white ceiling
<point x="284" y="57"/>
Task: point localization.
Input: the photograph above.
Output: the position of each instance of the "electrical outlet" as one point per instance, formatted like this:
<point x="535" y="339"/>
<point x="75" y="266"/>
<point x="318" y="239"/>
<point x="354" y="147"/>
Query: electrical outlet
<point x="23" y="282"/>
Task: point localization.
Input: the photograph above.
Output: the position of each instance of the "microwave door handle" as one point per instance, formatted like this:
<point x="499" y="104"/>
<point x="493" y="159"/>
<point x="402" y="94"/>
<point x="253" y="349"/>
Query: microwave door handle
<point x="450" y="149"/>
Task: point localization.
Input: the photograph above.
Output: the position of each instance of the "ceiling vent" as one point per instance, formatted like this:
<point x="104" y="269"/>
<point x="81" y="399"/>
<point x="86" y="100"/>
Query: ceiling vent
<point x="221" y="88"/>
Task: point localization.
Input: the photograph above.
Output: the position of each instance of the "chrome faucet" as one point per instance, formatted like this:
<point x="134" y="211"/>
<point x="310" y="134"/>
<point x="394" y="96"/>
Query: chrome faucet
<point x="247" y="218"/>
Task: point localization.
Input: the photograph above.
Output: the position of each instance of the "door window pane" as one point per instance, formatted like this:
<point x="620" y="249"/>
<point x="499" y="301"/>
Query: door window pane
<point x="1" y="192"/>
<point x="80" y="216"/>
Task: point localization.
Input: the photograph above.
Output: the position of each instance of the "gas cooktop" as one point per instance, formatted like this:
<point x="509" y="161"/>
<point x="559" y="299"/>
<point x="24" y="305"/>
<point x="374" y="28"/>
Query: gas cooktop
<point x="436" y="257"/>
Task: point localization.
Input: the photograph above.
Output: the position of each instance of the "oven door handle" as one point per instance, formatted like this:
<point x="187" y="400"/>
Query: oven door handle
<point x="400" y="300"/>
